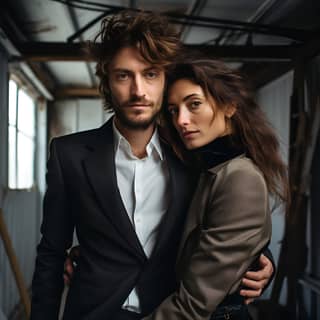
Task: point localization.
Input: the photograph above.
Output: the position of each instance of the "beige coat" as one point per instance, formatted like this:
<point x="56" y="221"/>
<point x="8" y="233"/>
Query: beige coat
<point x="228" y="225"/>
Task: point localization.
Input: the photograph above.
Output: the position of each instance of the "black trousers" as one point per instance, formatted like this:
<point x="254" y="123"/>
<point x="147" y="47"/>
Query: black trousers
<point x="127" y="315"/>
<point x="233" y="308"/>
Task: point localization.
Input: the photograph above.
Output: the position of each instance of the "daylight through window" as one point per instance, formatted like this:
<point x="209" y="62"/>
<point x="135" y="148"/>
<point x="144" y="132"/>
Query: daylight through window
<point x="21" y="137"/>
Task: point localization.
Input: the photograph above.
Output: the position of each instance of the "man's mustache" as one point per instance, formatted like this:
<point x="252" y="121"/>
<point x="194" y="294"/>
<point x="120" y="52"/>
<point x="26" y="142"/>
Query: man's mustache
<point x="138" y="101"/>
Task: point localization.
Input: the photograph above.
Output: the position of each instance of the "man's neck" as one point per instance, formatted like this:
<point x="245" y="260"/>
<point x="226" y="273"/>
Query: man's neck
<point x="138" y="138"/>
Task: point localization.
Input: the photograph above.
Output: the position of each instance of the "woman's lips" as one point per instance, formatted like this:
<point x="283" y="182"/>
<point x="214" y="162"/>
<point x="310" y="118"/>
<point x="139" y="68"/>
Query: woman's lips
<point x="189" y="134"/>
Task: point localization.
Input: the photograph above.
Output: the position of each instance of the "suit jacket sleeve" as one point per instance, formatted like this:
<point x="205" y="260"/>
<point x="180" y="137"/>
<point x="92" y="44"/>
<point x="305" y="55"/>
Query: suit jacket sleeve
<point x="57" y="234"/>
<point x="235" y="228"/>
<point x="267" y="252"/>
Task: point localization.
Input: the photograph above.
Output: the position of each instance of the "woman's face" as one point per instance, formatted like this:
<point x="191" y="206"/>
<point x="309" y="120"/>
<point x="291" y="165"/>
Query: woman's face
<point x="197" y="119"/>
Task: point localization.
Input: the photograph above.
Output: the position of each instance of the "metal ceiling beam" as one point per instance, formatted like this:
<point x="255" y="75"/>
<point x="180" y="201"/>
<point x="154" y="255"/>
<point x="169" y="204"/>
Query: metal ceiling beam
<point x="81" y="30"/>
<point x="232" y="37"/>
<point x="75" y="24"/>
<point x="194" y="9"/>
<point x="76" y="92"/>
<point x="16" y="37"/>
<point x="61" y="51"/>
<point x="193" y="20"/>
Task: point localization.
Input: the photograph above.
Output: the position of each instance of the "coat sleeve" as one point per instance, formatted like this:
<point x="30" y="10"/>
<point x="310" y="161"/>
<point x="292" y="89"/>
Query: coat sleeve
<point x="267" y="252"/>
<point x="236" y="227"/>
<point x="57" y="233"/>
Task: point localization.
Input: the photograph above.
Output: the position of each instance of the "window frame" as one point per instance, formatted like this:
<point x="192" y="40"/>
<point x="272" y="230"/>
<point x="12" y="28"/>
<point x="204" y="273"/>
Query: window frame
<point x="22" y="84"/>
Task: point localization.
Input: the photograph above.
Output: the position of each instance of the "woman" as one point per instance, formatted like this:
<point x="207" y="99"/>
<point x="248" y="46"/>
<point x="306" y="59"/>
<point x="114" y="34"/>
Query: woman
<point x="212" y="112"/>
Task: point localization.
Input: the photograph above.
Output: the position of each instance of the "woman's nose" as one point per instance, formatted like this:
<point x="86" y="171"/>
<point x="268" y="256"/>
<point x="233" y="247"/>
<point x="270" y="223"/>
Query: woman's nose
<point x="183" y="118"/>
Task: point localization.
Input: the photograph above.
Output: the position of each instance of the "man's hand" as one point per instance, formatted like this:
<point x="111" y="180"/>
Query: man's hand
<point x="70" y="263"/>
<point x="255" y="281"/>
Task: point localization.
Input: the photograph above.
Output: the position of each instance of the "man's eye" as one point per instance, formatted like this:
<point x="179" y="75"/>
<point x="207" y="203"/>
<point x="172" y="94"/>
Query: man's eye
<point x="151" y="74"/>
<point x="121" y="76"/>
<point x="173" y="111"/>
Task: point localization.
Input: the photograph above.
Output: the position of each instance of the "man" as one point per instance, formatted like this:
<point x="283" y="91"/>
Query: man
<point x="120" y="186"/>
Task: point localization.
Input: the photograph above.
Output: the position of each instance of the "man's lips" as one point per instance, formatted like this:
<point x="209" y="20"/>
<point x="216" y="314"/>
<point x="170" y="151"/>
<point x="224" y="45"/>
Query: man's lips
<point x="139" y="105"/>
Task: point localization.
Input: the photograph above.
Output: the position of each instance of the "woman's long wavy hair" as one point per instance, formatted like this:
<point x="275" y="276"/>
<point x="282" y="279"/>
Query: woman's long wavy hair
<point x="250" y="127"/>
<point x="158" y="43"/>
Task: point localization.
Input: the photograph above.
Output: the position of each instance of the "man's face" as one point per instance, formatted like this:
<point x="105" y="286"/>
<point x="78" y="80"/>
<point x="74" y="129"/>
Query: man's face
<point x="136" y="88"/>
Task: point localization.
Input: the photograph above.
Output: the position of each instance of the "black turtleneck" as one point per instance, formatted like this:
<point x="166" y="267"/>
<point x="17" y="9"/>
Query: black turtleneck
<point x="218" y="151"/>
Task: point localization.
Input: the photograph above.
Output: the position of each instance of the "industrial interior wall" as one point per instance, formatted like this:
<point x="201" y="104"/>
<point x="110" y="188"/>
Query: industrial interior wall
<point x="274" y="99"/>
<point x="73" y="115"/>
<point x="21" y="208"/>
<point x="311" y="298"/>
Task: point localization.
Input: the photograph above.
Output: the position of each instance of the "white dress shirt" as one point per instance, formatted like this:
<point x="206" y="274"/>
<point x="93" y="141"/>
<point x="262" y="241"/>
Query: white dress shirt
<point x="143" y="188"/>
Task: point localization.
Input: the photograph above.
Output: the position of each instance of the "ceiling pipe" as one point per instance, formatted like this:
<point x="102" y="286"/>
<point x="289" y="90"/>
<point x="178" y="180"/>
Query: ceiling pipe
<point x="76" y="26"/>
<point x="195" y="8"/>
<point x="295" y="34"/>
<point x="255" y="17"/>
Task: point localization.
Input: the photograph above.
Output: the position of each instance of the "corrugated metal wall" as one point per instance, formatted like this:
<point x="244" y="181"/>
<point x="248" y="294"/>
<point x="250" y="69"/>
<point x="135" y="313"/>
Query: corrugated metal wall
<point x="310" y="298"/>
<point x="21" y="208"/>
<point x="274" y="98"/>
<point x="3" y="152"/>
<point x="20" y="212"/>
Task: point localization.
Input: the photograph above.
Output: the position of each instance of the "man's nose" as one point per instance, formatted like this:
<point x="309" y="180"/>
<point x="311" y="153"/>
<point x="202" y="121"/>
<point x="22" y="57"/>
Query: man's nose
<point x="137" y="87"/>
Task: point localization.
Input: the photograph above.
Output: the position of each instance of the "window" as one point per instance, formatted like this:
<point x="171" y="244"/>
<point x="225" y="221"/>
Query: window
<point x="21" y="135"/>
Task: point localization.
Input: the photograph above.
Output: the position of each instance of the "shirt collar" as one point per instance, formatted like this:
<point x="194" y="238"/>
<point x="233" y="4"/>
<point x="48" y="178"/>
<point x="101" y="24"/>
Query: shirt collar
<point x="121" y="142"/>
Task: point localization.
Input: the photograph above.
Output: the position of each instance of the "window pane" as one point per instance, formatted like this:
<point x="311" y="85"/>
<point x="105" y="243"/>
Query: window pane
<point x="12" y="157"/>
<point x="25" y="170"/>
<point x="12" y="102"/>
<point x="26" y="114"/>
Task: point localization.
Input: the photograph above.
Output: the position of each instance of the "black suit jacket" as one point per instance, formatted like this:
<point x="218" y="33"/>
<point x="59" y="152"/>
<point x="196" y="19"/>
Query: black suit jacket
<point x="82" y="193"/>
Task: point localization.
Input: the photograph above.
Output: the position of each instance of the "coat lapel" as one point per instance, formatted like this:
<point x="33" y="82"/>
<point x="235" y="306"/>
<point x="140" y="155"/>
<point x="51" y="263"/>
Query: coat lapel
<point x="101" y="173"/>
<point x="197" y="207"/>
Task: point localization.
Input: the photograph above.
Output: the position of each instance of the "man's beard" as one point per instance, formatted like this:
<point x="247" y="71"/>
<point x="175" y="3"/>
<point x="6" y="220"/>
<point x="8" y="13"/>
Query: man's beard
<point x="135" y="124"/>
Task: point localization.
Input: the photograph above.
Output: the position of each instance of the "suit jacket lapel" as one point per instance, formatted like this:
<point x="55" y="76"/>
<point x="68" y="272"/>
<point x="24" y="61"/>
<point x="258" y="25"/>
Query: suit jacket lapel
<point x="101" y="173"/>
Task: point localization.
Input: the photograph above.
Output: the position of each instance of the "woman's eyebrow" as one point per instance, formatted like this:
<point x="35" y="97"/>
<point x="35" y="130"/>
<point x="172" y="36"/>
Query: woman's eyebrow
<point x="191" y="96"/>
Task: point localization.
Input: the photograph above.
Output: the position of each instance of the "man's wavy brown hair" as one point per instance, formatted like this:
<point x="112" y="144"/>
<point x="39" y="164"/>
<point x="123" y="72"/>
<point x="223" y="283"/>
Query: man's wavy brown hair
<point x="157" y="41"/>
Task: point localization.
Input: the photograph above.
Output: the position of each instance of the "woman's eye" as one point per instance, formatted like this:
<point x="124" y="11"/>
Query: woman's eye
<point x="195" y="104"/>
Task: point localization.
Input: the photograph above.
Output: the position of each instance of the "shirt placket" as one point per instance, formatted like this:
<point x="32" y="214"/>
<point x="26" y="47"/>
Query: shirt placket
<point x="138" y="192"/>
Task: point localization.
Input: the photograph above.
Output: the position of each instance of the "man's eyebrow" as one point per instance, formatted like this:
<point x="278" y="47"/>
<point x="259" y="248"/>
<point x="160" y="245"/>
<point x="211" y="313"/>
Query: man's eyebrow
<point x="120" y="70"/>
<point x="153" y="68"/>
<point x="130" y="71"/>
